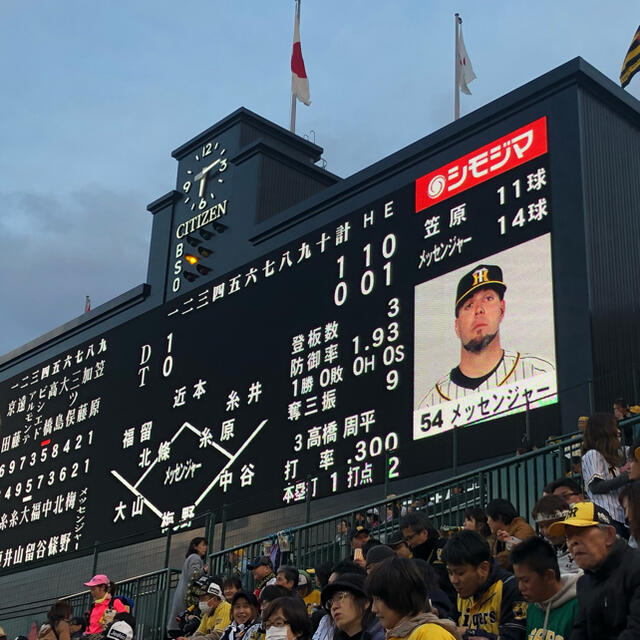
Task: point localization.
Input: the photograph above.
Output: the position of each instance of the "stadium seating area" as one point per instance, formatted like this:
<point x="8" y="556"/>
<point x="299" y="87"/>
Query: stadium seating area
<point x="520" y="479"/>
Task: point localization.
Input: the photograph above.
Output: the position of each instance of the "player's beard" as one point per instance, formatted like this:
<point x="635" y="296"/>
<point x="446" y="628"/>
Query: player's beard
<point x="476" y="345"/>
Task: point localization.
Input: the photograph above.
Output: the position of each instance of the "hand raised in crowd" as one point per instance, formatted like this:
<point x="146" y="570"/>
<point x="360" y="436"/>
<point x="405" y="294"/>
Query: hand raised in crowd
<point x="108" y="616"/>
<point x="502" y="535"/>
<point x="507" y="538"/>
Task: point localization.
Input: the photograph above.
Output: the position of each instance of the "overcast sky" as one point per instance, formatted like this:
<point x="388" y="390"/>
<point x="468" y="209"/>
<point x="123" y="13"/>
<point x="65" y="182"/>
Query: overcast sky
<point x="96" y="95"/>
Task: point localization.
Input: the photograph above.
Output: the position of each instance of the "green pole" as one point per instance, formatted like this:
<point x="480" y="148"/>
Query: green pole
<point x="167" y="550"/>
<point x="210" y="528"/>
<point x="96" y="546"/>
<point x="308" y="500"/>
<point x="454" y="464"/>
<point x="223" y="533"/>
<point x="386" y="475"/>
<point x="165" y="601"/>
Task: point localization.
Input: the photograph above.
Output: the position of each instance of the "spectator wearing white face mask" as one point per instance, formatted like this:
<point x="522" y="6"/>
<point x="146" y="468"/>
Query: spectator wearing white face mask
<point x="215" y="610"/>
<point x="287" y="619"/>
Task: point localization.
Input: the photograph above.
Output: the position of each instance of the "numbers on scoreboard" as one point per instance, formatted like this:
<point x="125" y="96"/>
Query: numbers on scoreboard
<point x="47" y="479"/>
<point x="368" y="277"/>
<point x="427" y="422"/>
<point x="502" y="197"/>
<point x="376" y="446"/>
<point x="394" y="463"/>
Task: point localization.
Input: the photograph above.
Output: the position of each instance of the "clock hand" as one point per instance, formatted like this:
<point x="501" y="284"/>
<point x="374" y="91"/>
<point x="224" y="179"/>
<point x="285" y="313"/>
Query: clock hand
<point x="205" y="170"/>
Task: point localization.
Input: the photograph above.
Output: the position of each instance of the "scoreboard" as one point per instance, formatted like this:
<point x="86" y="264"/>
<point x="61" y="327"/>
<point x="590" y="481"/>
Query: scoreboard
<point x="338" y="361"/>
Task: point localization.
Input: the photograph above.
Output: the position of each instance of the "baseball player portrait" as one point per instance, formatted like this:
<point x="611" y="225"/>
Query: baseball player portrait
<point x="480" y="308"/>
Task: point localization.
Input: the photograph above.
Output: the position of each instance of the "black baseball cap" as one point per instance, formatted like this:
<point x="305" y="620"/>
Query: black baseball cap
<point x="260" y="561"/>
<point x="484" y="275"/>
<point x="357" y="530"/>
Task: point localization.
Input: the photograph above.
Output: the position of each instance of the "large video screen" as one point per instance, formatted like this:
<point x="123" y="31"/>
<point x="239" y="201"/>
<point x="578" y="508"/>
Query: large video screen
<point x="338" y="361"/>
<point x="484" y="343"/>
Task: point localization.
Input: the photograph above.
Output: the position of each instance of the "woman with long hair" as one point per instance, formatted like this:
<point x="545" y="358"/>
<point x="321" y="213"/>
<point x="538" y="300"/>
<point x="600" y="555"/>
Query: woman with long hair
<point x="602" y="459"/>
<point x="58" y="618"/>
<point x="349" y="606"/>
<point x="194" y="567"/>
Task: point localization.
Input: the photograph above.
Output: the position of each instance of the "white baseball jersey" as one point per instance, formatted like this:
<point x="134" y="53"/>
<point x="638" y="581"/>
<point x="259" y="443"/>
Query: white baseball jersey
<point x="595" y="466"/>
<point x="513" y="366"/>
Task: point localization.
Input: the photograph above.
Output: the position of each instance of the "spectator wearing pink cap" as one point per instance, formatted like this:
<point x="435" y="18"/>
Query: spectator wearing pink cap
<point x="102" y="609"/>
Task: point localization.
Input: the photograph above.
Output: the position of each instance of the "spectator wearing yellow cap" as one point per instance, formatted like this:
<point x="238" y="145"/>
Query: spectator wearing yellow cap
<point x="609" y="590"/>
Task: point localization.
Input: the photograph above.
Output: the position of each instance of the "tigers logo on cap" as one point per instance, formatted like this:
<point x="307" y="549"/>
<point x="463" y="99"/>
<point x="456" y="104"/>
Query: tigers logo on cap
<point x="484" y="275"/>
<point x="581" y="514"/>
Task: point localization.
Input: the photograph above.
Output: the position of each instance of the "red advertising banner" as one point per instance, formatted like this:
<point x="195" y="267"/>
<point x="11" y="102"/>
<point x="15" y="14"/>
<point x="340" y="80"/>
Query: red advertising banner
<point x="484" y="163"/>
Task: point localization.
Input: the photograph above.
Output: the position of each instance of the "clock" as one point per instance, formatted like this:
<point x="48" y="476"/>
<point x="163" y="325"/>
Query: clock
<point x="205" y="176"/>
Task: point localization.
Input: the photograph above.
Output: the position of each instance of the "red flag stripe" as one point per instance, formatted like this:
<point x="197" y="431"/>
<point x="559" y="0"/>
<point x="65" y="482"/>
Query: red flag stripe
<point x="297" y="63"/>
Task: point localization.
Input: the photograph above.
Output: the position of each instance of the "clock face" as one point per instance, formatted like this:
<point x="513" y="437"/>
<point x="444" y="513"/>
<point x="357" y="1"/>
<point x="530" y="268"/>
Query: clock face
<point x="205" y="176"/>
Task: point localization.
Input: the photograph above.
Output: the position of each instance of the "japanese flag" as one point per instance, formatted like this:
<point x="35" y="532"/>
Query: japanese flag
<point x="299" y="80"/>
<point x="465" y="69"/>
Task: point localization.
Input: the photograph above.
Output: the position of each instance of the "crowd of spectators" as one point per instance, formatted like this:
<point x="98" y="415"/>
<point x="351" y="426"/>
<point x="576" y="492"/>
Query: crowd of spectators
<point x="108" y="617"/>
<point x="568" y="570"/>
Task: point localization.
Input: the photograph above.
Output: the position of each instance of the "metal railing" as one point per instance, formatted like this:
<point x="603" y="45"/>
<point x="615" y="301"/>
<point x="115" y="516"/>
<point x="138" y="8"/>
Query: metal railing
<point x="150" y="592"/>
<point x="520" y="480"/>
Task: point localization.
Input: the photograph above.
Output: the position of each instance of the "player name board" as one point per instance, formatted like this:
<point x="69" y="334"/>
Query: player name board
<point x="336" y="362"/>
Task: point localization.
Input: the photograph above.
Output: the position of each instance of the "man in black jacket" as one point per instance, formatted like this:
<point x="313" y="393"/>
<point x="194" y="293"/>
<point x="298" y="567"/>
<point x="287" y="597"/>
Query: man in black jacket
<point x="423" y="540"/>
<point x="609" y="590"/>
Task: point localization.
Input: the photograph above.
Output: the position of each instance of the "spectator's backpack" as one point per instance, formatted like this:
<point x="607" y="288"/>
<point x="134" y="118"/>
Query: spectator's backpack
<point x="126" y="602"/>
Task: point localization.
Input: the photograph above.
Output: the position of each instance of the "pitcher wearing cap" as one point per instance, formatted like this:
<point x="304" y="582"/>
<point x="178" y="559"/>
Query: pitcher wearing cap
<point x="484" y="364"/>
<point x="104" y="606"/>
<point x="609" y="590"/>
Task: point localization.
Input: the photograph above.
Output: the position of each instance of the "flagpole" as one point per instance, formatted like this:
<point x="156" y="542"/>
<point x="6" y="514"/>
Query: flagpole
<point x="292" y="127"/>
<point x="456" y="93"/>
